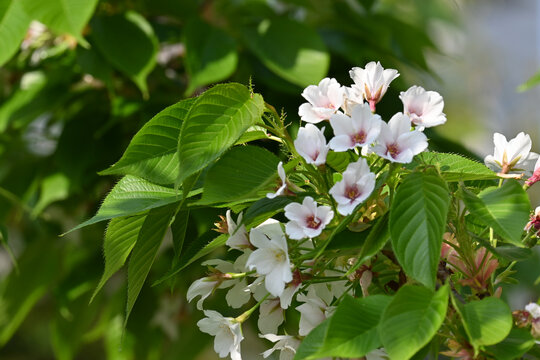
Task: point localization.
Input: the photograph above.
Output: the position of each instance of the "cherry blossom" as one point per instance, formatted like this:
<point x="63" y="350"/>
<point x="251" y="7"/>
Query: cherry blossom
<point x="313" y="312"/>
<point x="397" y="142"/>
<point x="283" y="182"/>
<point x="355" y="187"/>
<point x="424" y="108"/>
<point x="311" y="144"/>
<point x="270" y="316"/>
<point x="237" y="234"/>
<point x="534" y="223"/>
<point x="307" y="219"/>
<point x="512" y="157"/>
<point x="227" y="332"/>
<point x="286" y="344"/>
<point x="271" y="258"/>
<point x="323" y="101"/>
<point x="536" y="174"/>
<point x="533" y="309"/>
<point x="360" y="129"/>
<point x="372" y="81"/>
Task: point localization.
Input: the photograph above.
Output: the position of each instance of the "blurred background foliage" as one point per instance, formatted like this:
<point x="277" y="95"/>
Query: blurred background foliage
<point x="76" y="87"/>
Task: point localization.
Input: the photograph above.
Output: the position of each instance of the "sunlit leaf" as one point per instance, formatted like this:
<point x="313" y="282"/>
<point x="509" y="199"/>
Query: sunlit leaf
<point x="13" y="25"/>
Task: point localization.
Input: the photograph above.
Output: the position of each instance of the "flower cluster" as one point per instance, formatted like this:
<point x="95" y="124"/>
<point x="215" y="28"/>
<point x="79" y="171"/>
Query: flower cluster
<point x="278" y="262"/>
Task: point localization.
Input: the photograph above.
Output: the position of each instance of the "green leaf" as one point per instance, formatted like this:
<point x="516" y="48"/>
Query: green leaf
<point x="194" y="250"/>
<point x="132" y="195"/>
<point x="151" y="154"/>
<point x="417" y="223"/>
<point x="62" y="16"/>
<point x="338" y="160"/>
<point x="39" y="267"/>
<point x="53" y="188"/>
<point x="455" y="167"/>
<point x="353" y="329"/>
<point x="145" y="250"/>
<point x="253" y="133"/>
<point x="375" y="241"/>
<point x="487" y="321"/>
<point x="214" y="123"/>
<point x="120" y="237"/>
<point x="263" y="209"/>
<point x="93" y="63"/>
<point x="505" y="209"/>
<point x="412" y="319"/>
<point x="210" y="54"/>
<point x="243" y="173"/>
<point x="313" y="342"/>
<point x="529" y="84"/>
<point x="128" y="42"/>
<point x="178" y="229"/>
<point x="290" y="49"/>
<point x="517" y="343"/>
<point x="13" y="25"/>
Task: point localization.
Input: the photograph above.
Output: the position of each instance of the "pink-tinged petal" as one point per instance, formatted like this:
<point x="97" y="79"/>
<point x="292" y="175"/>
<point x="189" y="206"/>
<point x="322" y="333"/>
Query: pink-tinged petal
<point x="341" y="143"/>
<point x="294" y="230"/>
<point x="325" y="213"/>
<point x="336" y="94"/>
<point x="297" y="212"/>
<point x="311" y="233"/>
<point x="341" y="124"/>
<point x="405" y="156"/>
<point x="312" y="94"/>
<point x="307" y="114"/>
<point x="415" y="141"/>
<point x="263" y="260"/>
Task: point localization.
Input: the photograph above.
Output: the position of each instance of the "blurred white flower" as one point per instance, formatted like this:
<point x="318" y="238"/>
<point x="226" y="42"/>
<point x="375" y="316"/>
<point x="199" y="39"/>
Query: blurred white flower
<point x="271" y="258"/>
<point x="307" y="219"/>
<point x="237" y="235"/>
<point x="323" y="101"/>
<point x="372" y="81"/>
<point x="533" y="309"/>
<point x="355" y="187"/>
<point x="313" y="312"/>
<point x="397" y="142"/>
<point x="311" y="144"/>
<point x="360" y="129"/>
<point x="424" y="108"/>
<point x="270" y="316"/>
<point x="203" y="288"/>
<point x="227" y="332"/>
<point x="283" y="182"/>
<point x="285" y="343"/>
<point x="512" y="157"/>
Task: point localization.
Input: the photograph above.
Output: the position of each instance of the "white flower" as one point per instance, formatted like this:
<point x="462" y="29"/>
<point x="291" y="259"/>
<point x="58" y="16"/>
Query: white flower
<point x="286" y="296"/>
<point x="372" y="82"/>
<point x="311" y="144"/>
<point x="284" y="343"/>
<point x="270" y="316"/>
<point x="533" y="309"/>
<point x="203" y="288"/>
<point x="283" y="182"/>
<point x="227" y="332"/>
<point x="306" y="219"/>
<point x="324" y="100"/>
<point x="313" y="312"/>
<point x="512" y="156"/>
<point x="355" y="187"/>
<point x="397" y="142"/>
<point x="361" y="129"/>
<point x="425" y="108"/>
<point x="271" y="258"/>
<point x="237" y="235"/>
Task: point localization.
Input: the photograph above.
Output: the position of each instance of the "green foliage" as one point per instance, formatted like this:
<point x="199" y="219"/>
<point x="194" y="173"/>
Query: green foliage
<point x="290" y="49"/>
<point x="210" y="54"/>
<point x="411" y="319"/>
<point x="505" y="209"/>
<point x="487" y="321"/>
<point x="454" y="167"/>
<point x="243" y="173"/>
<point x="151" y="154"/>
<point x="13" y="21"/>
<point x="517" y="343"/>
<point x="417" y="223"/>
<point x="351" y="332"/>
<point x="128" y="42"/>
<point x="214" y="123"/>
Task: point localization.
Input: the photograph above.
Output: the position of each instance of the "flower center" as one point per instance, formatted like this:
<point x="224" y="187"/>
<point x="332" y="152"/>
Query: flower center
<point x="279" y="256"/>
<point x="313" y="222"/>
<point x="393" y="150"/>
<point x="359" y="138"/>
<point x="352" y="193"/>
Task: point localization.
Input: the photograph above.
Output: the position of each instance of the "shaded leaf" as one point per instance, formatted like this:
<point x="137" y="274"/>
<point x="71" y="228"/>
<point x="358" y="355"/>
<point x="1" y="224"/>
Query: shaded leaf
<point x="243" y="173"/>
<point x="13" y="24"/>
<point x="417" y="223"/>
<point x="411" y="319"/>
<point x="517" y="343"/>
<point x="214" y="123"/>
<point x="505" y="209"/>
<point x="290" y="49"/>
<point x="151" y="154"/>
